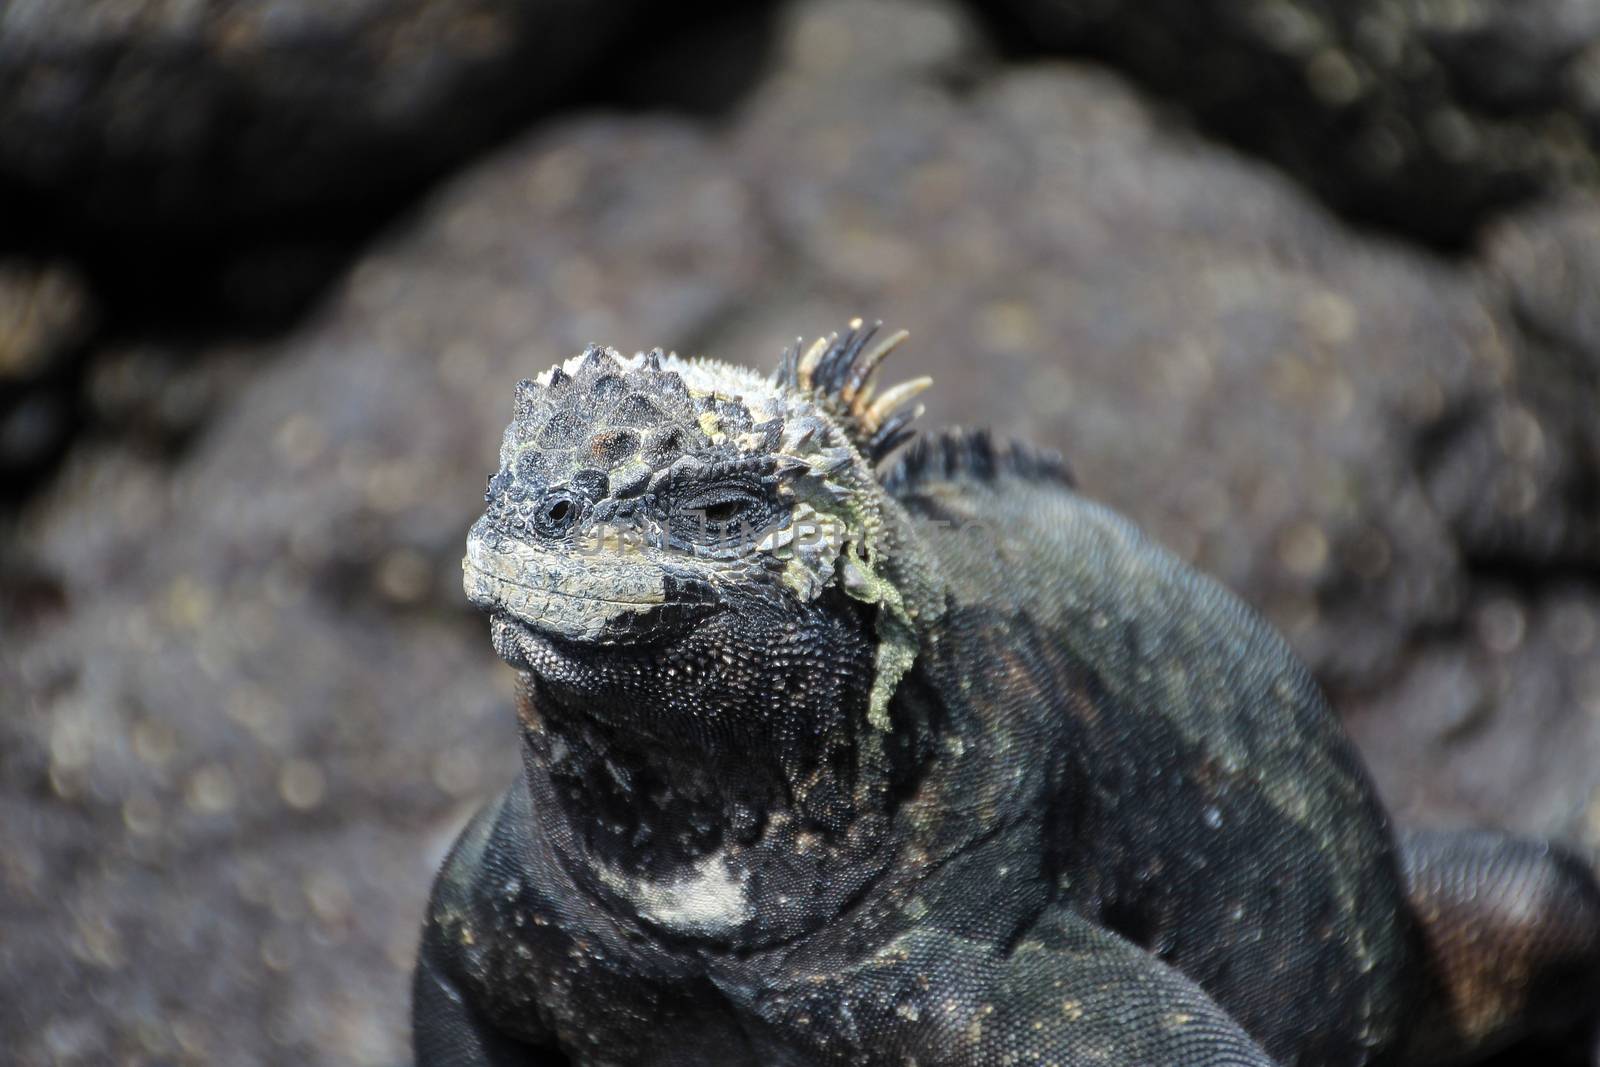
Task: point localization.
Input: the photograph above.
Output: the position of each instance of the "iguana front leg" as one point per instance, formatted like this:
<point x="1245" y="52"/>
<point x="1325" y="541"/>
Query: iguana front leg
<point x="1068" y="993"/>
<point x="448" y="1030"/>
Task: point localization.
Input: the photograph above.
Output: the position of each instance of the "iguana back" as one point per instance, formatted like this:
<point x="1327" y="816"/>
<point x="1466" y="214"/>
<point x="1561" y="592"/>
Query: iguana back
<point x="1205" y="802"/>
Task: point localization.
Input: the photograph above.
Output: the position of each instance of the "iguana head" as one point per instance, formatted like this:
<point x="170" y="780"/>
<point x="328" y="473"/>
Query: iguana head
<point x="653" y="520"/>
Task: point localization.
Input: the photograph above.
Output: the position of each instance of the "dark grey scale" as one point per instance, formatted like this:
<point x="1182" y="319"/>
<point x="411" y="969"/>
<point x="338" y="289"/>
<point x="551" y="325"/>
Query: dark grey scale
<point x="662" y="444"/>
<point x="607" y="387"/>
<point x="565" y="428"/>
<point x="611" y="447"/>
<point x="636" y="411"/>
<point x="734" y="416"/>
<point x="594" y="358"/>
<point x="527" y="397"/>
<point x="771" y="433"/>
<point x="631" y="483"/>
<point x="590" y="484"/>
<point x="523" y="430"/>
<point x="531" y="465"/>
<point x="669" y="385"/>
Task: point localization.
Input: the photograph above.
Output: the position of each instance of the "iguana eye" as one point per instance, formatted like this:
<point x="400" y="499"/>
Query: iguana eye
<point x="721" y="505"/>
<point x="718" y="511"/>
<point x="724" y="511"/>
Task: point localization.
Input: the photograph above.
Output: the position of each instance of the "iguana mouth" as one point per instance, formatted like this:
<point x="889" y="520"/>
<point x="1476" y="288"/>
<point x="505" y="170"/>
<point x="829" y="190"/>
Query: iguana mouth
<point x="558" y="602"/>
<point x="554" y="590"/>
<point x="590" y="664"/>
<point x="516" y="595"/>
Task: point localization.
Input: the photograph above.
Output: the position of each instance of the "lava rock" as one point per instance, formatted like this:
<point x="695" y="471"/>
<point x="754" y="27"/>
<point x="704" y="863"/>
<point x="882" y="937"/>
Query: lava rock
<point x="46" y="313"/>
<point x="146" y="116"/>
<point x="1424" y="117"/>
<point x="1516" y="470"/>
<point x="1496" y="722"/>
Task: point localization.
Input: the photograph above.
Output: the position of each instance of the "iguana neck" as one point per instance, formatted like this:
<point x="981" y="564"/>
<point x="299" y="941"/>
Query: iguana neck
<point x="732" y="847"/>
<point x="719" y="740"/>
<point x="639" y="806"/>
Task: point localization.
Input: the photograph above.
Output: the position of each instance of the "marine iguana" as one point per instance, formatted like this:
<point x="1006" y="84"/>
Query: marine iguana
<point x="845" y="743"/>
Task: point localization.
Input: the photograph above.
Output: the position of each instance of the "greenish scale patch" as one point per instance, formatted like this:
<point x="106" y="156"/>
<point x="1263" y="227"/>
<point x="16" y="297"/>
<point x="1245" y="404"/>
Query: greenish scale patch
<point x="862" y="579"/>
<point x="897" y="640"/>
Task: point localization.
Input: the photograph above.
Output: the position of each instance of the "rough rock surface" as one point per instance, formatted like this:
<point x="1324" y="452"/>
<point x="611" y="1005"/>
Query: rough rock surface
<point x="46" y="313"/>
<point x="43" y="310"/>
<point x="1542" y="516"/>
<point x="1497" y="721"/>
<point x="150" y="115"/>
<point x="1424" y="115"/>
<point x="1495" y="717"/>
<point x="242" y="705"/>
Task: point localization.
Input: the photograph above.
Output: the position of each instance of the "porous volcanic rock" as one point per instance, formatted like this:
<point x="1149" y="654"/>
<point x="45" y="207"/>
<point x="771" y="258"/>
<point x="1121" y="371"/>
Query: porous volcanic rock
<point x="46" y="312"/>
<point x="1425" y="116"/>
<point x="146" y="115"/>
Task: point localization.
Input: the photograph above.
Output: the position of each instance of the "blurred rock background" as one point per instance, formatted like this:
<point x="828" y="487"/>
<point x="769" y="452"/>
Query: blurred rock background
<point x="1310" y="289"/>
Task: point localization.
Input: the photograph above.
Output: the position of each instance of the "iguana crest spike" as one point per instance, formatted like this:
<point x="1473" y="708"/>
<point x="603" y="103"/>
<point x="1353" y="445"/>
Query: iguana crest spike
<point x="840" y="374"/>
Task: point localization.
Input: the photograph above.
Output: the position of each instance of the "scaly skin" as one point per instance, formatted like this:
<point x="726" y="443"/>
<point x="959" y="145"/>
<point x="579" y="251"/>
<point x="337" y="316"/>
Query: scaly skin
<point x="943" y="764"/>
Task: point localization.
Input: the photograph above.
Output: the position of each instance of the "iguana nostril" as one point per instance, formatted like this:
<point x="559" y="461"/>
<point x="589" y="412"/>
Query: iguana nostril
<point x="555" y="514"/>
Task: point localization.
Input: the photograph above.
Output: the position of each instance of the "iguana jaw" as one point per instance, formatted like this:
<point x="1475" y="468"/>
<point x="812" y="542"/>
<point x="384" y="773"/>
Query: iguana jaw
<point x="595" y="599"/>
